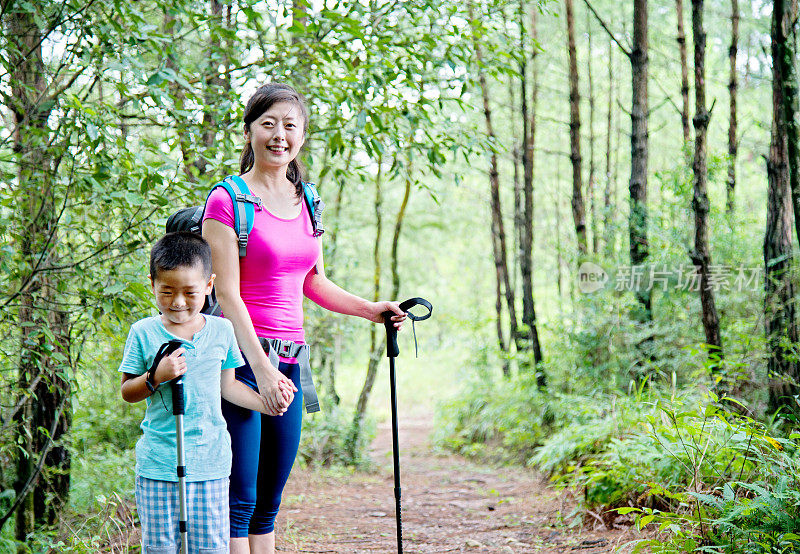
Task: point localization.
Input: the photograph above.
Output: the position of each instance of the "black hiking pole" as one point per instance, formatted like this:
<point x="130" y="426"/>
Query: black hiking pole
<point x="177" y="410"/>
<point x="392" y="351"/>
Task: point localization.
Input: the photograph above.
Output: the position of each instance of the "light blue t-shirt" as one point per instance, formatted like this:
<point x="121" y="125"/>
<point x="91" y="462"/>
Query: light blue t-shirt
<point x="207" y="444"/>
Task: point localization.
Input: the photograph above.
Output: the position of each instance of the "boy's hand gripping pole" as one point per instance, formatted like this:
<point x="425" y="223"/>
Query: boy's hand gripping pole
<point x="392" y="350"/>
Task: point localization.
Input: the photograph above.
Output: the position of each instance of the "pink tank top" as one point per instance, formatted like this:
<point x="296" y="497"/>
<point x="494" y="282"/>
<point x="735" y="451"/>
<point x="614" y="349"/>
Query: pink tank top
<point x="280" y="253"/>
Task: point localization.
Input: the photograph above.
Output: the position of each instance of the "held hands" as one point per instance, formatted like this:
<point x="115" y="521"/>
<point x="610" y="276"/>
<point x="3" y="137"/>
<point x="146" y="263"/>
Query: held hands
<point x="376" y="310"/>
<point x="277" y="390"/>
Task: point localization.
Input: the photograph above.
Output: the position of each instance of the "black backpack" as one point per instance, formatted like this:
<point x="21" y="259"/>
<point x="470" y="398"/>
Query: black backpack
<point x="244" y="202"/>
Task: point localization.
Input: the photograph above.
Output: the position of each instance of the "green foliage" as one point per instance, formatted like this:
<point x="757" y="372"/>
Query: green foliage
<point x="104" y="529"/>
<point x="742" y="494"/>
<point x="705" y="477"/>
<point x="656" y="449"/>
<point x="326" y="436"/>
<point x="105" y="430"/>
<point x="92" y="468"/>
<point x="105" y="420"/>
<point x="509" y="419"/>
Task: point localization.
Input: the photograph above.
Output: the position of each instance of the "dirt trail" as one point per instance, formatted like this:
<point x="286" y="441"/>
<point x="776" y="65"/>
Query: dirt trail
<point x="449" y="505"/>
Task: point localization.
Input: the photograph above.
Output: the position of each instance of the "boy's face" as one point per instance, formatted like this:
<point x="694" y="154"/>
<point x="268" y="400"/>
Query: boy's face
<point x="181" y="292"/>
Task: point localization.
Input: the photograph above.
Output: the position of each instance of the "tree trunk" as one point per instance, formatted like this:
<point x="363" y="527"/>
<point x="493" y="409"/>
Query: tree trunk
<point x="526" y="235"/>
<point x="519" y="225"/>
<point x="608" y="237"/>
<point x="519" y="208"/>
<point x="701" y="256"/>
<point x="779" y="309"/>
<point x="43" y="469"/>
<point x="214" y="86"/>
<point x="498" y="306"/>
<point x="227" y="116"/>
<point x="398" y="227"/>
<point x="179" y="98"/>
<point x="791" y="108"/>
<point x="617" y="148"/>
<point x="498" y="228"/>
<point x="590" y="187"/>
<point x="637" y="225"/>
<point x="378" y="346"/>
<point x="733" y="143"/>
<point x="517" y="153"/>
<point x="300" y="16"/>
<point x="558" y="244"/>
<point x="578" y="210"/>
<point x="687" y="135"/>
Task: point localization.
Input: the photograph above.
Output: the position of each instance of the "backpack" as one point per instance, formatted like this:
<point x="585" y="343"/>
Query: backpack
<point x="244" y="202"/>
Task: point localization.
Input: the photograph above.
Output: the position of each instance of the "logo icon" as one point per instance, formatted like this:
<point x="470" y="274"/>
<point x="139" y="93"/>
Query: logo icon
<point x="591" y="277"/>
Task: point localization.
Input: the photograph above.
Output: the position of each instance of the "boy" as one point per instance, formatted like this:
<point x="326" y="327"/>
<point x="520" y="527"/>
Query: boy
<point x="180" y="276"/>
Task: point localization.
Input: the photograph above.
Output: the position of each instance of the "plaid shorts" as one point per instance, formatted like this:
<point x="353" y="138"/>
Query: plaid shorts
<point x="208" y="523"/>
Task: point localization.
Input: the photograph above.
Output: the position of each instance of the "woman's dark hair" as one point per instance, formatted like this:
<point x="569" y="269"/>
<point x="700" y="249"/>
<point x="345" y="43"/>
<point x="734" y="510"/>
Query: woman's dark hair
<point x="261" y="101"/>
<point x="180" y="249"/>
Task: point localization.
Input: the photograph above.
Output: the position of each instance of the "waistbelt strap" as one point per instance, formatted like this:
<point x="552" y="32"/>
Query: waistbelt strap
<point x="289" y="349"/>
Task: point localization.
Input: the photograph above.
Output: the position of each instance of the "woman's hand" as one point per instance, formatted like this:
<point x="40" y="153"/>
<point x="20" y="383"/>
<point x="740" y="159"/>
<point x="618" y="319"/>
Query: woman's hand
<point x="276" y="389"/>
<point x="376" y="310"/>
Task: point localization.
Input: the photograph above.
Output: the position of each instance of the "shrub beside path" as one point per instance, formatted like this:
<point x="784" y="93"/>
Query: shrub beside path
<point x="450" y="504"/>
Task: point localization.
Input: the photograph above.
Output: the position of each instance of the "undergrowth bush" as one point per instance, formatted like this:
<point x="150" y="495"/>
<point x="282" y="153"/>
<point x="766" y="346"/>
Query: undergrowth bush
<point x="703" y="477"/>
<point x="741" y="491"/>
<point x="682" y="445"/>
<point x="105" y="529"/>
<point x="325" y="439"/>
<point x="506" y="419"/>
<point x="681" y="462"/>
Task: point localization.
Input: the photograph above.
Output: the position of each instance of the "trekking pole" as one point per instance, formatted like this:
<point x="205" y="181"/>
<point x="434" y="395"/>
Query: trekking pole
<point x="178" y="409"/>
<point x="392" y="350"/>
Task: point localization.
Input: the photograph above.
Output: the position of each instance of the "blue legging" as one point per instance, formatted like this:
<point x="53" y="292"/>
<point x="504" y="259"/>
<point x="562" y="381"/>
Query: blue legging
<point x="264" y="448"/>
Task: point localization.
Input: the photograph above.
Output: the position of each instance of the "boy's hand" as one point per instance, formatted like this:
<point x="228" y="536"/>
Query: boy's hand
<point x="170" y="367"/>
<point x="288" y="389"/>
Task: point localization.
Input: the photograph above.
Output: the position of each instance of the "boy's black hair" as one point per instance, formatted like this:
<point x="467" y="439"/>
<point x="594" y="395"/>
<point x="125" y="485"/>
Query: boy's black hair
<point x="180" y="249"/>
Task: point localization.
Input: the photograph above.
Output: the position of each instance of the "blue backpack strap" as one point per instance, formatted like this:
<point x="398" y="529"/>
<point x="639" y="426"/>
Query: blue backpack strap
<point x="246" y="202"/>
<point x="243" y="208"/>
<point x="315" y="206"/>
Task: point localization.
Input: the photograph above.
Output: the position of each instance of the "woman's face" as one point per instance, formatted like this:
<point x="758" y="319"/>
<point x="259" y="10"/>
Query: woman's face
<point x="277" y="135"/>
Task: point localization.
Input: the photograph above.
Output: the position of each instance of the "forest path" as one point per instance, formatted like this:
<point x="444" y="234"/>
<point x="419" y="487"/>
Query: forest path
<point x="450" y="504"/>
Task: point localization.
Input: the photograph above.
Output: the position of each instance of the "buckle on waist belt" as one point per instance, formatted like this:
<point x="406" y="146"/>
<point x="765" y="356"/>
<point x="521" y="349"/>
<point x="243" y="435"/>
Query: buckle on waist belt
<point x="283" y="348"/>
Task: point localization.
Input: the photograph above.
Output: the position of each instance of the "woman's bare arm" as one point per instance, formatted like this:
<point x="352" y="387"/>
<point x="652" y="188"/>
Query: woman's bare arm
<point x="318" y="288"/>
<point x="276" y="388"/>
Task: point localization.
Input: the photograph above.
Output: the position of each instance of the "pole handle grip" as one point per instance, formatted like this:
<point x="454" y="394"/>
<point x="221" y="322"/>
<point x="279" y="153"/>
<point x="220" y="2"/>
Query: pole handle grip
<point x="392" y="350"/>
<point x="178" y="405"/>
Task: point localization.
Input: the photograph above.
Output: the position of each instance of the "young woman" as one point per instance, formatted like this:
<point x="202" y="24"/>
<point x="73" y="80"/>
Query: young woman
<point x="262" y="294"/>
